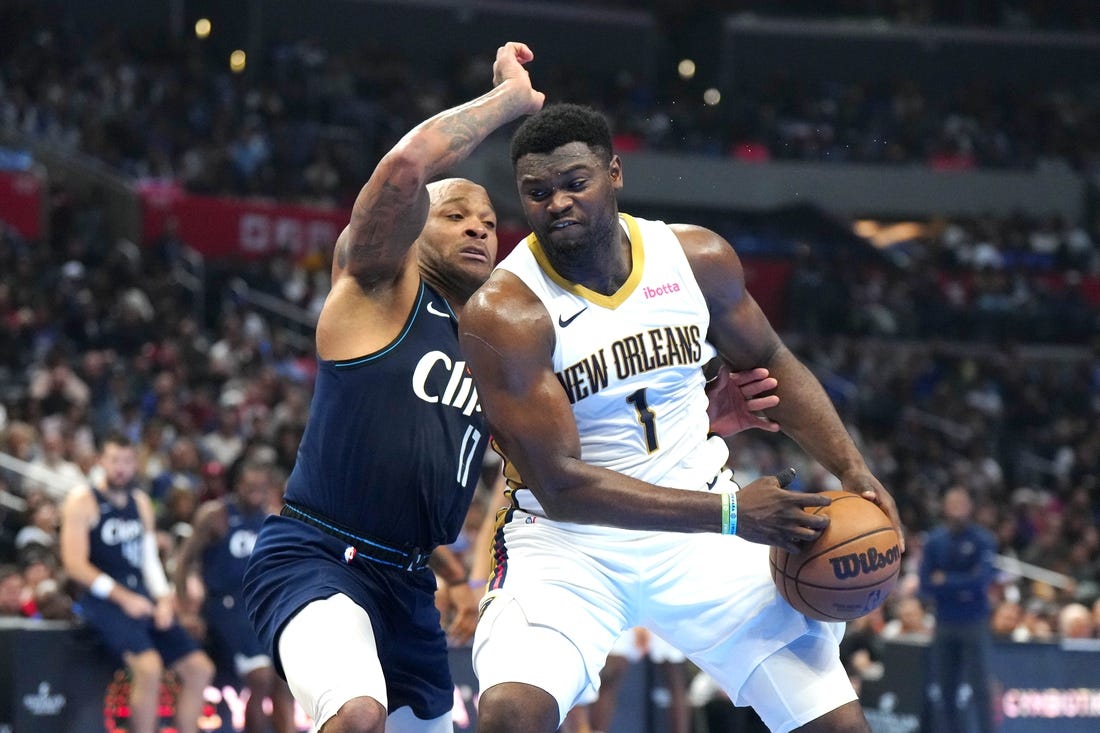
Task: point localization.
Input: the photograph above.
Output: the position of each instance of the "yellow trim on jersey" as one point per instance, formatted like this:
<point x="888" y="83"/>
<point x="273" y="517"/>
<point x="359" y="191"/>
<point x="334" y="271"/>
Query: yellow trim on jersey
<point x="637" y="265"/>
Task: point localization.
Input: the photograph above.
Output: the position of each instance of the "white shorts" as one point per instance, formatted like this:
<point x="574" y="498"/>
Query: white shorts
<point x="569" y="591"/>
<point x="656" y="649"/>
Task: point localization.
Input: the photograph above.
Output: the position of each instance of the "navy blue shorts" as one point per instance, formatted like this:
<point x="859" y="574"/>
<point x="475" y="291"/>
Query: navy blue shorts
<point x="294" y="563"/>
<point x="122" y="634"/>
<point x="230" y="632"/>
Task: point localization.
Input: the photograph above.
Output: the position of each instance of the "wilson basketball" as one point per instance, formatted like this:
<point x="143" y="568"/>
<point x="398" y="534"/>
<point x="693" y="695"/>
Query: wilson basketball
<point x="849" y="570"/>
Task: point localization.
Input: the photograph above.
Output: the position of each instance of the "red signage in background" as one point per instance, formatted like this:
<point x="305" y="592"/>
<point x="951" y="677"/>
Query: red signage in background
<point x="220" y="226"/>
<point x="766" y="280"/>
<point x="21" y="202"/>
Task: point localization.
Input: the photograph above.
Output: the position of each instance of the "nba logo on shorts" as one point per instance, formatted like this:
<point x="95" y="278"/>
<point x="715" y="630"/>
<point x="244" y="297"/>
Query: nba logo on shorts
<point x="349" y="554"/>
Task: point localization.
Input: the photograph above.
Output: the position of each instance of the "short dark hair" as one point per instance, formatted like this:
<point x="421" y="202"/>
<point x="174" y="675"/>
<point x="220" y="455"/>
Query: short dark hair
<point x="561" y="124"/>
<point x="117" y="438"/>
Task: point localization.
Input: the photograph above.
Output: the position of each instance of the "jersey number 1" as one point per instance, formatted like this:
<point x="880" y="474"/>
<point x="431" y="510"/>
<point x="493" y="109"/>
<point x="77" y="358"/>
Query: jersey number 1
<point x="646" y="417"/>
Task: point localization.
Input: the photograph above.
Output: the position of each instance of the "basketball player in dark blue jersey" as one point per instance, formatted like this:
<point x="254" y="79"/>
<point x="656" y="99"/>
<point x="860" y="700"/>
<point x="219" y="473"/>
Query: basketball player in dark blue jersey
<point x="211" y="566"/>
<point x="339" y="586"/>
<point x="108" y="545"/>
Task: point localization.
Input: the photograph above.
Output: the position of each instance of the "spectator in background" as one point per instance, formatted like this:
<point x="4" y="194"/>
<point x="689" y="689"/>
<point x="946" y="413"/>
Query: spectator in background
<point x="956" y="572"/>
<point x="42" y="524"/>
<point x="1006" y="622"/>
<point x="11" y="591"/>
<point x="44" y="596"/>
<point x="151" y="449"/>
<point x="633" y="646"/>
<point x="55" y="389"/>
<point x="19" y="442"/>
<point x="184" y="467"/>
<point x="1075" y="622"/>
<point x="912" y="623"/>
<point x="861" y="648"/>
<point x="51" y="456"/>
<point x="225" y="443"/>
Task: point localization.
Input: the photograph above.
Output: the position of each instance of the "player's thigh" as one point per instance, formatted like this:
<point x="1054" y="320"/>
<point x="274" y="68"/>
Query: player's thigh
<point x="122" y="635"/>
<point x="517" y="642"/>
<point x="235" y="640"/>
<point x="800" y="683"/>
<point x="329" y="656"/>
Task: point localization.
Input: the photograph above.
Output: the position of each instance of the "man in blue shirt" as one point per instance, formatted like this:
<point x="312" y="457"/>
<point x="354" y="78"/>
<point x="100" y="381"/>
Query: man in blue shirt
<point x="955" y="573"/>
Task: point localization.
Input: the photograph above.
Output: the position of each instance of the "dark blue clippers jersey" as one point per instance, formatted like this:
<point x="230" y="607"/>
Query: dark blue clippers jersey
<point x="224" y="561"/>
<point x="115" y="543"/>
<point x="394" y="442"/>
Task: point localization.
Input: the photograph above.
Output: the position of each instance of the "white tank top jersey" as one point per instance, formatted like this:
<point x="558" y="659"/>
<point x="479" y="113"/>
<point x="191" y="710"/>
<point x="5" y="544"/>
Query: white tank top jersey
<point x="631" y="362"/>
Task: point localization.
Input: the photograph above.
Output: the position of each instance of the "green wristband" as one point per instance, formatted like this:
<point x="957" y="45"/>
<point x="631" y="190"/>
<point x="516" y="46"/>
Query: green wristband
<point x="725" y="513"/>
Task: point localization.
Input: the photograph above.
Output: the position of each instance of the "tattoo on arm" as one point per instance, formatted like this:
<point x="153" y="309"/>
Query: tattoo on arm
<point x="388" y="224"/>
<point x="463" y="133"/>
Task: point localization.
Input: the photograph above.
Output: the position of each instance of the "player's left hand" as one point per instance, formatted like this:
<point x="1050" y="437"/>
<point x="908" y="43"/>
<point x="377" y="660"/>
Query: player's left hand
<point x="463" y="614"/>
<point x="866" y="485"/>
<point x="737" y="398"/>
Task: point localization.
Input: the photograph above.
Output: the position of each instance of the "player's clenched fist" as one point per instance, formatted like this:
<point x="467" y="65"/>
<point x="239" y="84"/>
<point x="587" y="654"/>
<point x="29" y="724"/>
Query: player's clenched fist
<point x="508" y="66"/>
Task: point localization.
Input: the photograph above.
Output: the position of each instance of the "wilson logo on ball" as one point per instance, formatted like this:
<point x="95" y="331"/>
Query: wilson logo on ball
<point x="857" y="563"/>
<point x="849" y="570"/>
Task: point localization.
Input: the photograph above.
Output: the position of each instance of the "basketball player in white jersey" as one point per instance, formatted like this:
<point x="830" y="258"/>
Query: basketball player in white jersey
<point x="586" y="344"/>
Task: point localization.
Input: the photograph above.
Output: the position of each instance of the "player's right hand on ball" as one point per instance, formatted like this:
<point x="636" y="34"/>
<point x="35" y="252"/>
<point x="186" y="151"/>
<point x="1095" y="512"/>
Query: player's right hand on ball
<point x="771" y="515"/>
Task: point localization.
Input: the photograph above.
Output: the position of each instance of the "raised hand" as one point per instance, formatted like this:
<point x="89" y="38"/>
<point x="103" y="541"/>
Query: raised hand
<point x="511" y="58"/>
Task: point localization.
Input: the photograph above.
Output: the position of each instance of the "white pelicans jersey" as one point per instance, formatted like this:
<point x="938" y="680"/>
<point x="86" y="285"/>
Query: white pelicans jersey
<point x="631" y="362"/>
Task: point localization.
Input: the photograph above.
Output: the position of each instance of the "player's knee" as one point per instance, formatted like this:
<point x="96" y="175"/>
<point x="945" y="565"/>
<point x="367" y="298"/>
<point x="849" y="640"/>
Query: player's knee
<point x="146" y="667"/>
<point x="513" y="707"/>
<point x="261" y="681"/>
<point x="195" y="670"/>
<point x="358" y="715"/>
<point x="848" y="718"/>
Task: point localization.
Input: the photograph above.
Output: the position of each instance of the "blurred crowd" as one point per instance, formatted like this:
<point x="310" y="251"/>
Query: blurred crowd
<point x="306" y="123"/>
<point x="97" y="334"/>
<point x="970" y="358"/>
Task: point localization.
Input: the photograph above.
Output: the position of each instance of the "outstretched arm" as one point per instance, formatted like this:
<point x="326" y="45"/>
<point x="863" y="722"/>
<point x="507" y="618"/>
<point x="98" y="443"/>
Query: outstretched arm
<point x="209" y="525"/>
<point x="391" y="208"/>
<point x="742" y="334"/>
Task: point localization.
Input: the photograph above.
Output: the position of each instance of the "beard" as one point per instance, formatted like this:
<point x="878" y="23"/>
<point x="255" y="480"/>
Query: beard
<point x="581" y="243"/>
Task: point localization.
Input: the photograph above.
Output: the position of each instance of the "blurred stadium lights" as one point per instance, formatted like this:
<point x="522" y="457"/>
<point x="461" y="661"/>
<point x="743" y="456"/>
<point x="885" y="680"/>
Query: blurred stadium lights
<point x="237" y="61"/>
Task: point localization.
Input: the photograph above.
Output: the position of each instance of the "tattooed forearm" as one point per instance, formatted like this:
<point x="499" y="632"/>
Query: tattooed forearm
<point x="466" y="126"/>
<point x="392" y="208"/>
